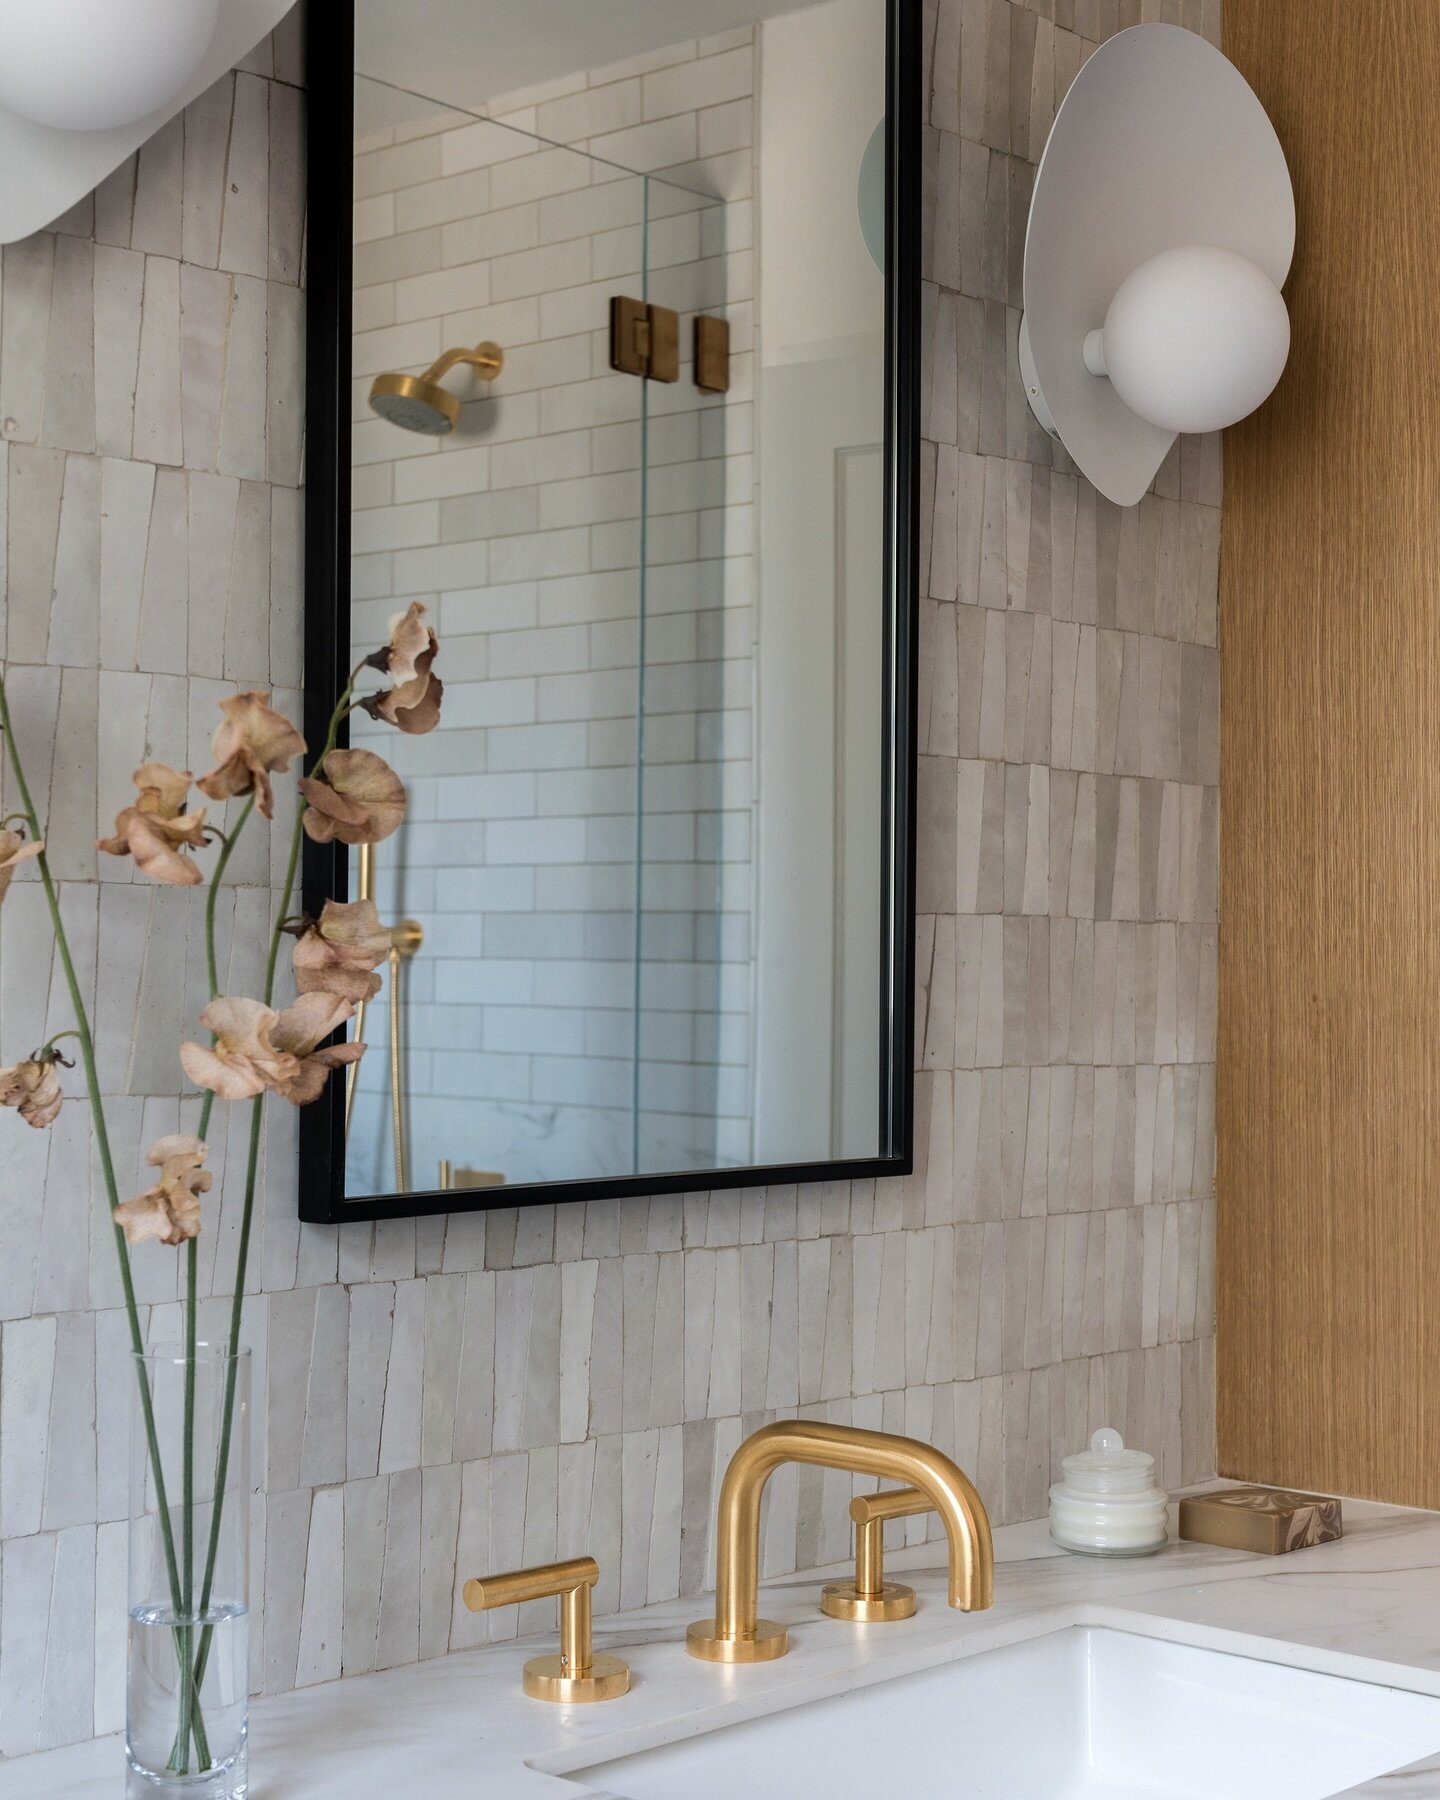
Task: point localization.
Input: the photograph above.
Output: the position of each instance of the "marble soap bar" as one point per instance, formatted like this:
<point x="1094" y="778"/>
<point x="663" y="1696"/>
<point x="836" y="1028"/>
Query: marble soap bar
<point x="1269" y="1521"/>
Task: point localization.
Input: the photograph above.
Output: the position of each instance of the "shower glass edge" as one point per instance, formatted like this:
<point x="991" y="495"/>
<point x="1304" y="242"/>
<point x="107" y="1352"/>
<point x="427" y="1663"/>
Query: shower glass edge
<point x="500" y="1077"/>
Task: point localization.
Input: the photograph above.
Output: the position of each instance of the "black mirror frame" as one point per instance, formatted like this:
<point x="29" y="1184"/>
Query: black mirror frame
<point x="330" y="36"/>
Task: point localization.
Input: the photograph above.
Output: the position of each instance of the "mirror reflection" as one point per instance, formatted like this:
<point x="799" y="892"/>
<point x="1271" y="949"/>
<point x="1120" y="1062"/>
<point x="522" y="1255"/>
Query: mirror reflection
<point x="618" y="424"/>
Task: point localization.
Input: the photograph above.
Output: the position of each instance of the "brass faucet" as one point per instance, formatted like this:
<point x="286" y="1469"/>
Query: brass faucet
<point x="578" y="1672"/>
<point x="870" y="1598"/>
<point x="736" y="1634"/>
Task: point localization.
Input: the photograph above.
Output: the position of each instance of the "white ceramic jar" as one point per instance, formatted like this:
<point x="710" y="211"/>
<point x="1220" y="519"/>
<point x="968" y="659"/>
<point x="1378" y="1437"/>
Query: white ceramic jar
<point x="1108" y="1503"/>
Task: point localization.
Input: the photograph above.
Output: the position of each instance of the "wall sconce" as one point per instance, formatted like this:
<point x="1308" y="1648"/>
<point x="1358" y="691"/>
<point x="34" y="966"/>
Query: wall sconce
<point x="69" y="66"/>
<point x="1161" y="231"/>
<point x="88" y="65"/>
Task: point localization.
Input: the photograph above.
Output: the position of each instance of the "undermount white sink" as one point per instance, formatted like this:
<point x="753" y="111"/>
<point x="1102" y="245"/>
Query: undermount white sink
<point x="1082" y="1714"/>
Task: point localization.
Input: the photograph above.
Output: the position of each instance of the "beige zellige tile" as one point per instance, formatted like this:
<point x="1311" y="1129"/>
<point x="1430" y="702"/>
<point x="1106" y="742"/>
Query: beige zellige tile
<point x="119" y="278"/>
<point x="286" y="202"/>
<point x="244" y="229"/>
<point x="26" y="283"/>
<point x="158" y="429"/>
<point x="36" y="482"/>
<point x="74" y="615"/>
<point x="206" y="137"/>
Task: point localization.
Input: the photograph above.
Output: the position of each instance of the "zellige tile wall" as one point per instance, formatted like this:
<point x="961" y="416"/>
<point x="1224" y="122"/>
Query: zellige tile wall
<point x="438" y="1397"/>
<point x="151" y="432"/>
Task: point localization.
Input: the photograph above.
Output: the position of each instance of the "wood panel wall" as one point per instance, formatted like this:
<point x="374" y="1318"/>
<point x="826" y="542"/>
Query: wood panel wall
<point x="1328" y="1103"/>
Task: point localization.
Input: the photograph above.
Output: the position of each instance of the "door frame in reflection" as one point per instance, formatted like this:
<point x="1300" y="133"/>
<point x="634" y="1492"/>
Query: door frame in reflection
<point x="330" y="133"/>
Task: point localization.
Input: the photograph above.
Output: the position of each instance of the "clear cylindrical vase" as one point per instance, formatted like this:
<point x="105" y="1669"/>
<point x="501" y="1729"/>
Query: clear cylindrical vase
<point x="187" y="1695"/>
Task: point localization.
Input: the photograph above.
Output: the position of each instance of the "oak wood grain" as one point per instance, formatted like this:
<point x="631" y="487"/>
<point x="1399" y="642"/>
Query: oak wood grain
<point x="1329" y="1049"/>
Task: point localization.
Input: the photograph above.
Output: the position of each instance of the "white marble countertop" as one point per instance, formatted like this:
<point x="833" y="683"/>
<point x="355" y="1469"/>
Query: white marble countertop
<point x="1367" y="1607"/>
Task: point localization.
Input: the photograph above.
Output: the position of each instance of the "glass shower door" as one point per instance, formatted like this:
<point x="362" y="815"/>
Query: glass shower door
<point x="570" y="884"/>
<point x="693" y="828"/>
<point x="520" y="533"/>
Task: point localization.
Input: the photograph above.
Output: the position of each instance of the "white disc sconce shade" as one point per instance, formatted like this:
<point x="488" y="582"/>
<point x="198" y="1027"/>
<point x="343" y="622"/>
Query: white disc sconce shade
<point x="1161" y="231"/>
<point x="90" y="65"/>
<point x="46" y="168"/>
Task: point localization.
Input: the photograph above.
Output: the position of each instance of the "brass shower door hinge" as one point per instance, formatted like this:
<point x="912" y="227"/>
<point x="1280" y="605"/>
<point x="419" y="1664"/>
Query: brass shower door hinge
<point x="644" y="340"/>
<point x="712" y="354"/>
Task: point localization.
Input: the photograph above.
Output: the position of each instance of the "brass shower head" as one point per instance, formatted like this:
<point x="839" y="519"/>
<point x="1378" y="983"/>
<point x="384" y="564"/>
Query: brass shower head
<point x="419" y="403"/>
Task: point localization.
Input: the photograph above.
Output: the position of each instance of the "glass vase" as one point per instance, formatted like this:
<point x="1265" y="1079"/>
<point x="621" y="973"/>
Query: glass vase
<point x="187" y="1665"/>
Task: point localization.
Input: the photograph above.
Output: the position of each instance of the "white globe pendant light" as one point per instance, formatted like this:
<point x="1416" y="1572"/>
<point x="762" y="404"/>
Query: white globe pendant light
<point x="90" y="65"/>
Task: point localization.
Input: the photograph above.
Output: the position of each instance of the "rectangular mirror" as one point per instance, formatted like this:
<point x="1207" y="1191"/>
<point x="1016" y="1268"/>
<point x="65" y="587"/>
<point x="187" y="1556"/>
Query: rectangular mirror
<point x="651" y="900"/>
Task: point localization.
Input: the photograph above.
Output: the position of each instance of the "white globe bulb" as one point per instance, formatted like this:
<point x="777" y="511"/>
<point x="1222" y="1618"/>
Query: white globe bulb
<point x="1194" y="340"/>
<point x="88" y="65"/>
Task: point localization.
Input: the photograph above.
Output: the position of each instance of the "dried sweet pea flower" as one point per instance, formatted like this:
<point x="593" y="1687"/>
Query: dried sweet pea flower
<point x="356" y="798"/>
<point x="252" y="743"/>
<point x="257" y="1048"/>
<point x="156" y="828"/>
<point x="336" y="953"/>
<point x="233" y="1068"/>
<point x="163" y="790"/>
<point x="32" y="1088"/>
<point x="13" y="851"/>
<point x="412" y="703"/>
<point x="303" y="1025"/>
<point x="169" y="1211"/>
<point x="413" y="706"/>
<point x="411" y="639"/>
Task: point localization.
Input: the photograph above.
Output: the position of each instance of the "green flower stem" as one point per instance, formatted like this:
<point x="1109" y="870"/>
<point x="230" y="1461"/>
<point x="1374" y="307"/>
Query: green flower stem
<point x="252" y="1166"/>
<point x="179" y="1755"/>
<point x="212" y="967"/>
<point x="102" y="1143"/>
<point x="222" y="1465"/>
<point x="227" y="850"/>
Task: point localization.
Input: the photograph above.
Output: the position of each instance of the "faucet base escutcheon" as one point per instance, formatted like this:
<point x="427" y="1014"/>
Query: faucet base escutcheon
<point x="767" y="1641"/>
<point x="844" y="1600"/>
<point x="554" y="1678"/>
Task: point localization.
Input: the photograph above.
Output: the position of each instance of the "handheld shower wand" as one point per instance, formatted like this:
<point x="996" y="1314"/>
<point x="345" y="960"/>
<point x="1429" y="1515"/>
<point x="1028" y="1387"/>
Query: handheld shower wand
<point x="406" y="939"/>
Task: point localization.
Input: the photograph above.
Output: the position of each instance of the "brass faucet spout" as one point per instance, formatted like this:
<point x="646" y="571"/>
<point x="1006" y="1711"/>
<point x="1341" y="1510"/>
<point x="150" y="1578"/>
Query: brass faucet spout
<point x="736" y="1633"/>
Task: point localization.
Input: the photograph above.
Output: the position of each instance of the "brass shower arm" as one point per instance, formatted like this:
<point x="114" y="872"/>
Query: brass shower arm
<point x="487" y="358"/>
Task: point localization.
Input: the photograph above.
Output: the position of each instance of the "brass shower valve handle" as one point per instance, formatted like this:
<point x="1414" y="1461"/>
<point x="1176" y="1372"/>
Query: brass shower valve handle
<point x="577" y="1673"/>
<point x="407" y="939"/>
<point x="869" y="1598"/>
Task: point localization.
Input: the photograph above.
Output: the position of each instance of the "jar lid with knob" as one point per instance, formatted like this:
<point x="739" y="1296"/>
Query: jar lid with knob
<point x="1108" y="1503"/>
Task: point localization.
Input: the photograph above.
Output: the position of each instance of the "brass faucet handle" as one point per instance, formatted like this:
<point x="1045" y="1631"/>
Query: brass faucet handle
<point x="577" y="1673"/>
<point x="869" y="1599"/>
